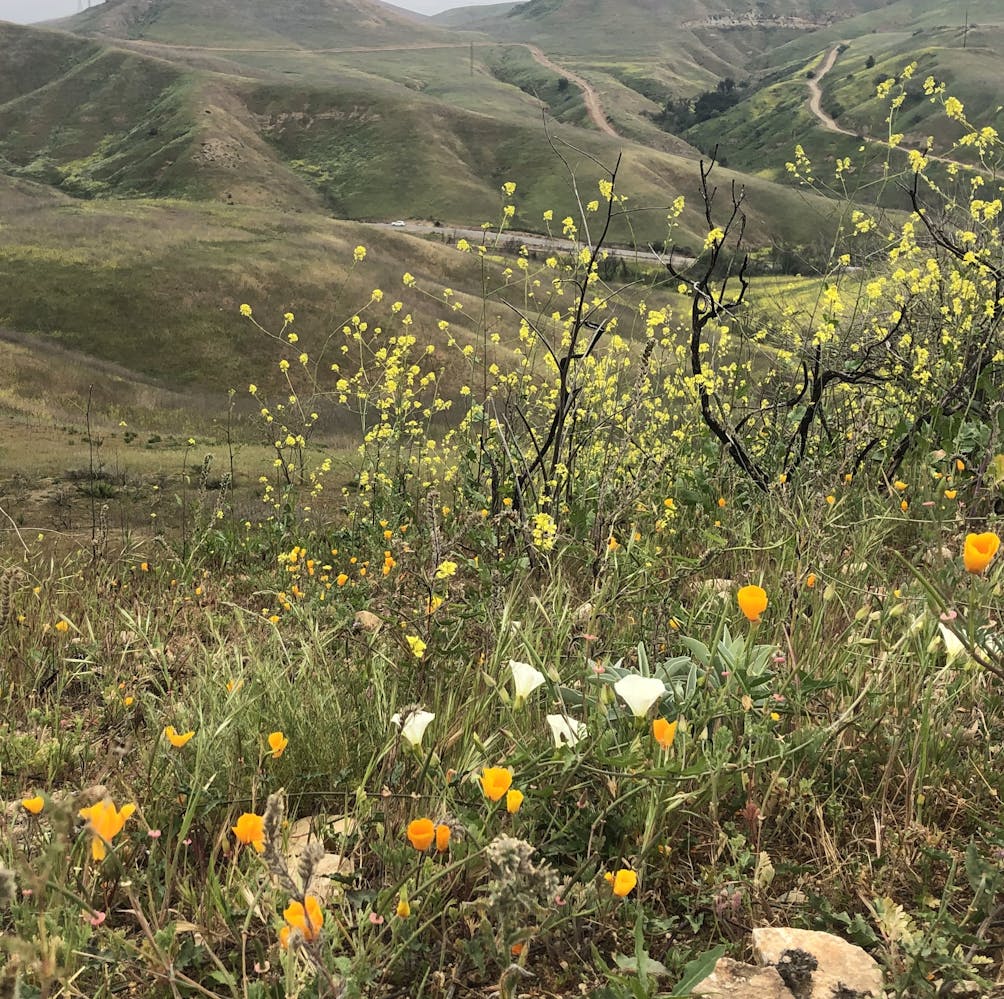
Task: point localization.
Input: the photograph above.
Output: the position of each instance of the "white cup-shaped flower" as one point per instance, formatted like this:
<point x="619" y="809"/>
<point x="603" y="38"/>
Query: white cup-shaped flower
<point x="566" y="731"/>
<point x="639" y="692"/>
<point x="413" y="726"/>
<point x="954" y="646"/>
<point x="525" y="680"/>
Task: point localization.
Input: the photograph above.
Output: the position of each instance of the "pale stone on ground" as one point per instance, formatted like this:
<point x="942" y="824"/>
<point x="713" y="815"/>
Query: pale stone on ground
<point x="734" y="980"/>
<point x="841" y="971"/>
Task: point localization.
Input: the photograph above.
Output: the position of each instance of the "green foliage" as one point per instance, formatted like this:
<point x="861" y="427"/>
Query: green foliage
<point x="499" y="683"/>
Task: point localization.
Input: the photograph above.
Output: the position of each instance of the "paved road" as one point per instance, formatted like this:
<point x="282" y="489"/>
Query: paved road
<point x="533" y="241"/>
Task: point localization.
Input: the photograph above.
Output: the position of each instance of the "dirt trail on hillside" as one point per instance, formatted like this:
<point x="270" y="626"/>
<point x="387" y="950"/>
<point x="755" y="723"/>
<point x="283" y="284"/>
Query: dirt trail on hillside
<point x="831" y="125"/>
<point x="594" y="107"/>
<point x="816" y="94"/>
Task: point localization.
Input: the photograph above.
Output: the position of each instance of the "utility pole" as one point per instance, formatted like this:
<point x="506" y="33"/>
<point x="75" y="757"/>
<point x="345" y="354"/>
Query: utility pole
<point x="965" y="29"/>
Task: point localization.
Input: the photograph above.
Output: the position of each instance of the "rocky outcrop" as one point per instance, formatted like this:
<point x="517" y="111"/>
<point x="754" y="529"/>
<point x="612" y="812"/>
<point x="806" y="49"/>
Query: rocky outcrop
<point x="735" y="980"/>
<point x="818" y="965"/>
<point x="796" y="964"/>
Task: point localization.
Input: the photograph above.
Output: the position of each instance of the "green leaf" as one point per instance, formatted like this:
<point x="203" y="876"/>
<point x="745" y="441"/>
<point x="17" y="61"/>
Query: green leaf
<point x="646" y="965"/>
<point x="694" y="972"/>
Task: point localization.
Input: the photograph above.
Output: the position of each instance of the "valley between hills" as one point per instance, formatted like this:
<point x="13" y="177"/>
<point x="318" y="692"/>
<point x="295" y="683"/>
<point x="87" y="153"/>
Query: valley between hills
<point x="162" y="161"/>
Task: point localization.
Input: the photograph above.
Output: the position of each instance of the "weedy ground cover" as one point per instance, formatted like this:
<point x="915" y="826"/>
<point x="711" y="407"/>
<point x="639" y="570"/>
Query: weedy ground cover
<point x="651" y="628"/>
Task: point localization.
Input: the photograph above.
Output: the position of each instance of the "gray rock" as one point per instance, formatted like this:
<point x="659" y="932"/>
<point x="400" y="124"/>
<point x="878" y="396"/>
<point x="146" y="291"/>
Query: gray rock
<point x="734" y="980"/>
<point x="817" y="965"/>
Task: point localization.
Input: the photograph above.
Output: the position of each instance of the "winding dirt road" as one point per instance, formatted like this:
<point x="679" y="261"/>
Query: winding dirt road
<point x="593" y="106"/>
<point x="831" y="125"/>
<point x="816" y="94"/>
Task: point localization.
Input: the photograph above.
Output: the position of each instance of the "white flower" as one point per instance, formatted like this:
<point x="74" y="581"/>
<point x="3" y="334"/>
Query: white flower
<point x="954" y="646"/>
<point x="566" y="731"/>
<point x="525" y="679"/>
<point x="413" y="726"/>
<point x="640" y="692"/>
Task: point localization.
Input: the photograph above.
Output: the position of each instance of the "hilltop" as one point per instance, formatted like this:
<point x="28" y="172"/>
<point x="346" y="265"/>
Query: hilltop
<point x="306" y="23"/>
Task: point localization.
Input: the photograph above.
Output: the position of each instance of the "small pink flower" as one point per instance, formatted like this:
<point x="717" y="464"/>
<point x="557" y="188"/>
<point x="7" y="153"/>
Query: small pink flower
<point x="95" y="919"/>
<point x="375" y="919"/>
<point x="949" y="616"/>
<point x="153" y="833"/>
<point x="187" y="841"/>
<point x="598" y="668"/>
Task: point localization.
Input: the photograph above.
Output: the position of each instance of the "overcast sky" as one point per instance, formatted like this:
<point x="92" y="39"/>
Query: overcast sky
<point x="27" y="11"/>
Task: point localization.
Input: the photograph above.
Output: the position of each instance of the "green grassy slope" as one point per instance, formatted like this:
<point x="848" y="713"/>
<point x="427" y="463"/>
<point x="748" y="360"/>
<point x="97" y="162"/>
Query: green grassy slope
<point x="968" y="61"/>
<point x="707" y="37"/>
<point x="760" y="133"/>
<point x="369" y="147"/>
<point x="307" y="23"/>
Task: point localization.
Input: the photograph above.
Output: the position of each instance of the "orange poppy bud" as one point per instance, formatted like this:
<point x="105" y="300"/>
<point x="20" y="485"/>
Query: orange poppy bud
<point x="443" y="833"/>
<point x="752" y="601"/>
<point x="421" y="833"/>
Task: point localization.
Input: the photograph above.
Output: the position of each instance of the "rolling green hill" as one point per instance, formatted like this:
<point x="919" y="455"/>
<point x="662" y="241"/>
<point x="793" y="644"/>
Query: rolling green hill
<point x="152" y="127"/>
<point x="235" y="132"/>
<point x="759" y="133"/>
<point x="296" y="23"/>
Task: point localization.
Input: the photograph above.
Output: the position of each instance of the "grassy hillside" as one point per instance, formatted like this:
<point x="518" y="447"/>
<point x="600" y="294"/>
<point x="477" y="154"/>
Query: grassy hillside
<point x="309" y="23"/>
<point x="715" y="37"/>
<point x="883" y="42"/>
<point x="760" y="133"/>
<point x="342" y="149"/>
